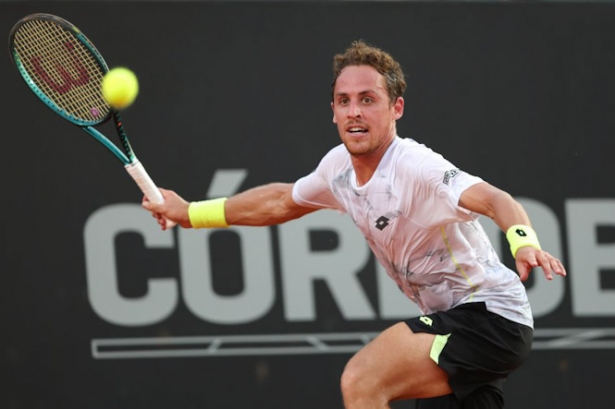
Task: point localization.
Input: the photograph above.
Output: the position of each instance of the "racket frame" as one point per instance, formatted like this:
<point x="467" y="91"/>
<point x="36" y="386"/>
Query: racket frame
<point x="126" y="154"/>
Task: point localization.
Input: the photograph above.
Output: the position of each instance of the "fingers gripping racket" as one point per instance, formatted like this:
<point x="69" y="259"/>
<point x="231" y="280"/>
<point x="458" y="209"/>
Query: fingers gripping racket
<point x="64" y="69"/>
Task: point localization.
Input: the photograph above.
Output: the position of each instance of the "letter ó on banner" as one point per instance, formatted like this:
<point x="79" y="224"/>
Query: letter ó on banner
<point x="258" y="295"/>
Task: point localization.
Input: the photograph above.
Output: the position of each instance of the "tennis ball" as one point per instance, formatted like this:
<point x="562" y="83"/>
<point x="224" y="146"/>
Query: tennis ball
<point x="120" y="87"/>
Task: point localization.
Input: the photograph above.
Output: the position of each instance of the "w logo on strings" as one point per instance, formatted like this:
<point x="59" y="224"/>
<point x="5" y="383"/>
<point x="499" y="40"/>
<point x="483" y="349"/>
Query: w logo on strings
<point x="68" y="80"/>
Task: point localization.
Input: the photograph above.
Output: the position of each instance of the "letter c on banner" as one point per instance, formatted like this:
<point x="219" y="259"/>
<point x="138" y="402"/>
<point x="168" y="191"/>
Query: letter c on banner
<point x="100" y="231"/>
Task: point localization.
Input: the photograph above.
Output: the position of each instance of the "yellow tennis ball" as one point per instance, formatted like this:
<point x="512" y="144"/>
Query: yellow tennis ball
<point x="120" y="87"/>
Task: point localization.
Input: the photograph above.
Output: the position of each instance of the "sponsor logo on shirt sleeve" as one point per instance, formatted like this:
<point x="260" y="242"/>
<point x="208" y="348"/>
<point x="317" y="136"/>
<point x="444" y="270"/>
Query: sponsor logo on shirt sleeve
<point x="449" y="174"/>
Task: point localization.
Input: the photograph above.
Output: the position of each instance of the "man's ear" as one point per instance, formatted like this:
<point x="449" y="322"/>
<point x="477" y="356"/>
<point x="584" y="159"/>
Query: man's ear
<point x="398" y="108"/>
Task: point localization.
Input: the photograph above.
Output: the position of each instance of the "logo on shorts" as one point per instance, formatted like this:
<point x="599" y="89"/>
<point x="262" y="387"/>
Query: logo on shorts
<point x="426" y="320"/>
<point x="449" y="174"/>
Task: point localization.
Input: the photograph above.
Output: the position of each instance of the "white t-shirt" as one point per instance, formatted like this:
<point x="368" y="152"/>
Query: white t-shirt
<point x="436" y="251"/>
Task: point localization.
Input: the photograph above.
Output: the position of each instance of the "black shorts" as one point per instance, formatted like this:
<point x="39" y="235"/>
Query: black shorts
<point x="475" y="347"/>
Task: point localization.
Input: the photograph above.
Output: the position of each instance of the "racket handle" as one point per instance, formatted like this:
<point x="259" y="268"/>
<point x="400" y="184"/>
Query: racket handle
<point x="147" y="185"/>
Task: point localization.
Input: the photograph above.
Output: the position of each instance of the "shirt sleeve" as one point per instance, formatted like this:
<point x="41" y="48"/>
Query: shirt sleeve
<point x="454" y="182"/>
<point x="314" y="190"/>
<point x="441" y="185"/>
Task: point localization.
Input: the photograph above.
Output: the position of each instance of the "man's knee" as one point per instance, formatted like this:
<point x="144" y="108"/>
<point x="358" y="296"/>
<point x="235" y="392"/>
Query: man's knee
<point x="358" y="386"/>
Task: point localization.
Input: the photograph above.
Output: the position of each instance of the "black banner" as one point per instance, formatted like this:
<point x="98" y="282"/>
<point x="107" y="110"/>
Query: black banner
<point x="101" y="309"/>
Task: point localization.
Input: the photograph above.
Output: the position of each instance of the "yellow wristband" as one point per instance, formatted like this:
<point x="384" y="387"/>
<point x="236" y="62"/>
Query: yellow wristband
<point x="520" y="235"/>
<point x="208" y="213"/>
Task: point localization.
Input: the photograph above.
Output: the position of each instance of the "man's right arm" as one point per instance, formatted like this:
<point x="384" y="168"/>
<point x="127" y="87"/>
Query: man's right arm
<point x="264" y="206"/>
<point x="260" y="206"/>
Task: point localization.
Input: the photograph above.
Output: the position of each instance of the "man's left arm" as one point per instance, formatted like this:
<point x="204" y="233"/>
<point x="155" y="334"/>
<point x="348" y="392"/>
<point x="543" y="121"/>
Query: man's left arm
<point x="512" y="218"/>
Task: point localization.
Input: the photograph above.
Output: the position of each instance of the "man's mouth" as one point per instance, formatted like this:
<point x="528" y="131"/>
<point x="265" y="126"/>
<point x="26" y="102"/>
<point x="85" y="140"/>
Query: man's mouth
<point x="356" y="130"/>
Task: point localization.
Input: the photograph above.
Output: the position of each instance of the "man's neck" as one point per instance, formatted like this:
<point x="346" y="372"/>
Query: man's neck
<point x="365" y="165"/>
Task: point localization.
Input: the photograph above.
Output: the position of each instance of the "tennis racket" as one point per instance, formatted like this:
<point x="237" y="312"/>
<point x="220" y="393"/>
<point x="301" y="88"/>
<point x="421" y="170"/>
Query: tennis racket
<point x="64" y="69"/>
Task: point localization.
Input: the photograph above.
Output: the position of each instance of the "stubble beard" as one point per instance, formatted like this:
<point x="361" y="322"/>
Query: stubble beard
<point x="358" y="150"/>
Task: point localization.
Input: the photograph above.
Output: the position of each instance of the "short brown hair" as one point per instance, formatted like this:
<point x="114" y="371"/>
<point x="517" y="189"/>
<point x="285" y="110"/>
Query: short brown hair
<point x="361" y="53"/>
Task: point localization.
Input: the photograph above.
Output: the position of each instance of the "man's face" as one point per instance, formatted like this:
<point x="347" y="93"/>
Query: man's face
<point x="364" y="116"/>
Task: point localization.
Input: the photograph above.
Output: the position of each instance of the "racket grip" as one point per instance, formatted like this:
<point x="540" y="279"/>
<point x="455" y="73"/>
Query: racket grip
<point x="147" y="185"/>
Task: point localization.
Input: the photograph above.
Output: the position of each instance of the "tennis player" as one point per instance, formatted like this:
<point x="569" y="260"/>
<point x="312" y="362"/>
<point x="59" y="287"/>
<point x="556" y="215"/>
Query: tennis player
<point x="418" y="213"/>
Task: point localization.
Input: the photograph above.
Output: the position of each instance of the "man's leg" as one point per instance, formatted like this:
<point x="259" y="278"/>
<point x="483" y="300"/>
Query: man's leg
<point x="395" y="365"/>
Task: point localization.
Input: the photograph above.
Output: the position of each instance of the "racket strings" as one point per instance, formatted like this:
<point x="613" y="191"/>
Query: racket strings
<point x="63" y="68"/>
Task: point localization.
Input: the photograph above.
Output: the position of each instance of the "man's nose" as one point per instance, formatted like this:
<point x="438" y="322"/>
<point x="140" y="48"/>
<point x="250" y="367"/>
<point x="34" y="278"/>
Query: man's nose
<point x="354" y="111"/>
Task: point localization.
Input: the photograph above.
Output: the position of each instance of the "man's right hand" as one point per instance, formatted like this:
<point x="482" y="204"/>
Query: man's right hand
<point x="174" y="208"/>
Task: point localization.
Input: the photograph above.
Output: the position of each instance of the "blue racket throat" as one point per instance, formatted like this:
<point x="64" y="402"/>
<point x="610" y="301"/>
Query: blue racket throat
<point x="108" y="144"/>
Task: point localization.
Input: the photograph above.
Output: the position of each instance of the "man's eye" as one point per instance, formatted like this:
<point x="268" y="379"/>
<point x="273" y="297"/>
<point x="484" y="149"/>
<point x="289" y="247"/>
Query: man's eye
<point x="343" y="101"/>
<point x="367" y="100"/>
